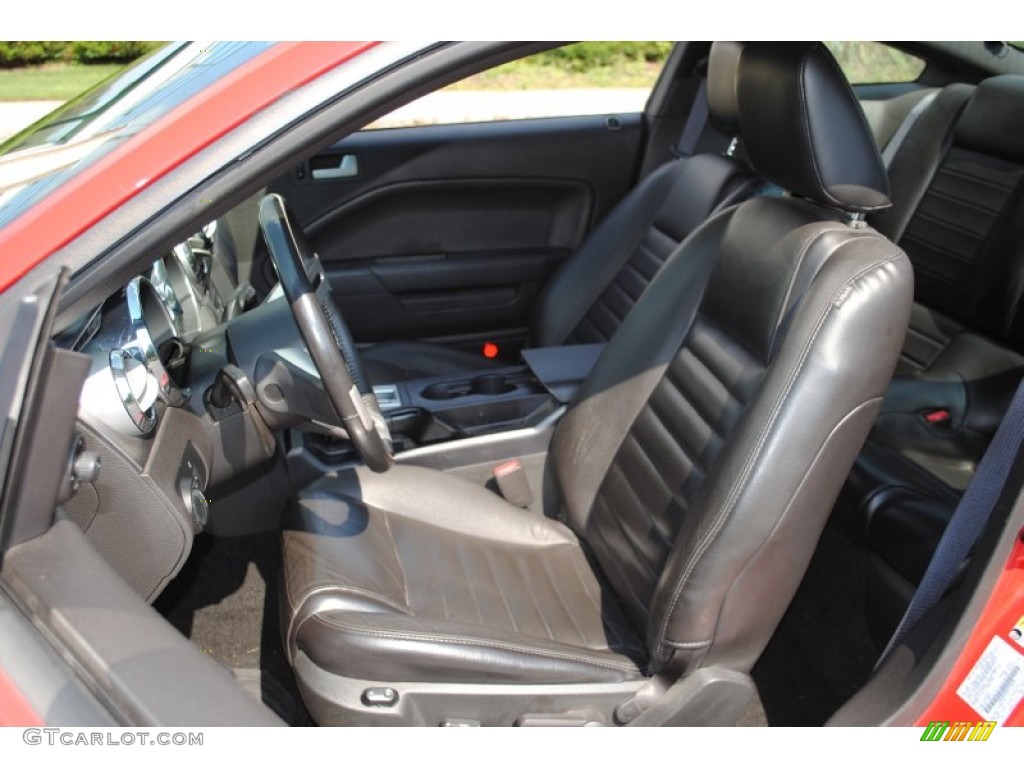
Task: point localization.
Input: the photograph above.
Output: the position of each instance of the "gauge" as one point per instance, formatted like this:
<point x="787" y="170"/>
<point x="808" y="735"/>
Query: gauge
<point x="124" y="384"/>
<point x="136" y="386"/>
<point x="121" y="392"/>
<point x="188" y="270"/>
<point x="151" y="325"/>
<point x="165" y="290"/>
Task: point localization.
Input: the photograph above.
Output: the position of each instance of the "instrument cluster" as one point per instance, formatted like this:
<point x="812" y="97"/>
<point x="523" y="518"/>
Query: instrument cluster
<point x="140" y="339"/>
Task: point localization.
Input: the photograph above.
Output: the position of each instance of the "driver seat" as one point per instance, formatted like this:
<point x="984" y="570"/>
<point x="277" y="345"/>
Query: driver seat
<point x="690" y="477"/>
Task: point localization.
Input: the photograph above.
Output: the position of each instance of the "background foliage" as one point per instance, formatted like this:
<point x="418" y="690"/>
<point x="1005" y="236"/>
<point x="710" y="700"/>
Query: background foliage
<point x="868" y="62"/>
<point x="581" y="57"/>
<point x="21" y="53"/>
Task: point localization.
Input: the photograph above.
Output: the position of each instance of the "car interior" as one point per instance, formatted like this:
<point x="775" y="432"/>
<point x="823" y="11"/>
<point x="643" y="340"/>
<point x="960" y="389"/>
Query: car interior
<point x="646" y="419"/>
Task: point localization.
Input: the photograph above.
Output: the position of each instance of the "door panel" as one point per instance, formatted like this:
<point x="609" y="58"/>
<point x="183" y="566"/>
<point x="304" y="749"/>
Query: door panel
<point x="448" y="232"/>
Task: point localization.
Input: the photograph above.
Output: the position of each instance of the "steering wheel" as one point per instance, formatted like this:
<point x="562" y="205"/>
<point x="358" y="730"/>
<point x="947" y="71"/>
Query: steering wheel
<point x="327" y="337"/>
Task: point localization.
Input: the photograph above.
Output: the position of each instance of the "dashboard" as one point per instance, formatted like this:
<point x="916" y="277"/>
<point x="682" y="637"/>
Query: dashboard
<point x="140" y="340"/>
<point x="156" y="350"/>
<point x="202" y="409"/>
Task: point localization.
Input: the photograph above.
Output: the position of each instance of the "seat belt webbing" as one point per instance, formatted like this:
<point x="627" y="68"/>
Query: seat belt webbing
<point x="695" y="122"/>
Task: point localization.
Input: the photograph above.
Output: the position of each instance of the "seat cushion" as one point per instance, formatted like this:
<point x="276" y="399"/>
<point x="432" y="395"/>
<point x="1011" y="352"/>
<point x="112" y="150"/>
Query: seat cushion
<point x="420" y="576"/>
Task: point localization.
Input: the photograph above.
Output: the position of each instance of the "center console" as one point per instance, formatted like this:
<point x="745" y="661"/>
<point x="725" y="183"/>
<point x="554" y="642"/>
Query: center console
<point x="443" y="421"/>
<point x="496" y="400"/>
<point x="470" y="418"/>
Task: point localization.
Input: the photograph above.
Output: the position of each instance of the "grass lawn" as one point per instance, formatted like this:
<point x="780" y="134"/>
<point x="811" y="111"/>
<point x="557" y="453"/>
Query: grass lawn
<point x="59" y="82"/>
<point x="51" y="82"/>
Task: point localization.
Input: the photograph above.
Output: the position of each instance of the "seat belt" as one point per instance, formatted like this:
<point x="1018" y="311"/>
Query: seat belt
<point x="695" y="122"/>
<point x="968" y="520"/>
<point x="897" y="139"/>
<point x="695" y="138"/>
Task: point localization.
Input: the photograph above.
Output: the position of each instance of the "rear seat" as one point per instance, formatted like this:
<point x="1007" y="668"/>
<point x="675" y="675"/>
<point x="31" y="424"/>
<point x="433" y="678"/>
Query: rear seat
<point x="958" y="186"/>
<point x="957" y="182"/>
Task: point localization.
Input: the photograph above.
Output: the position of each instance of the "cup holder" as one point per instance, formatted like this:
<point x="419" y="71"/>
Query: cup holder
<point x="442" y="390"/>
<point x="490" y="384"/>
<point x="486" y="384"/>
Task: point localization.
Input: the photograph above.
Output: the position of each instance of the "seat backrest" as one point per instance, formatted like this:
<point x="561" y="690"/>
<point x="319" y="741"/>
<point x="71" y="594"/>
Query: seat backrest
<point x="888" y="117"/>
<point x="598" y="286"/>
<point x="700" y="459"/>
<point x="958" y="194"/>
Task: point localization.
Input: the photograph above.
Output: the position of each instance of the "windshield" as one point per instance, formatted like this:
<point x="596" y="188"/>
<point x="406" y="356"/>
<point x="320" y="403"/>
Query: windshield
<point x="88" y="127"/>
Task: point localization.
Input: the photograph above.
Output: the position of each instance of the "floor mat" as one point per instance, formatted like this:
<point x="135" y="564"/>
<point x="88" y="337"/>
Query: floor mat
<point x="822" y="652"/>
<point x="225" y="600"/>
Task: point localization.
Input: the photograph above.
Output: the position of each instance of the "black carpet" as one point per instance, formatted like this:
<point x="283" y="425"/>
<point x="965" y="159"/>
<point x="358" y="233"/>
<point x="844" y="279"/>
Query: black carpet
<point x="225" y="600"/>
<point x="821" y="653"/>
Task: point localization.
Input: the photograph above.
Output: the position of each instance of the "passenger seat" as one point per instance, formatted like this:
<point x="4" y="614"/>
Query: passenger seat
<point x="597" y="286"/>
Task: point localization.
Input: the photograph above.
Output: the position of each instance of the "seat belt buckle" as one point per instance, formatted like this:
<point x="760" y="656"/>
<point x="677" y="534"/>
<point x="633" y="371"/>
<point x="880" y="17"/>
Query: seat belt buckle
<point x="510" y="478"/>
<point x="940" y="418"/>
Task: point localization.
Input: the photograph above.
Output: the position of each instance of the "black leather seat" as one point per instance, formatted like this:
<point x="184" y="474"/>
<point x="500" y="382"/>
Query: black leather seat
<point x="586" y="300"/>
<point x="693" y="471"/>
<point x="958" y="188"/>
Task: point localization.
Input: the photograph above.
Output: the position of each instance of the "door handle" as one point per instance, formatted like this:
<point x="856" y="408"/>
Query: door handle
<point x="347" y="168"/>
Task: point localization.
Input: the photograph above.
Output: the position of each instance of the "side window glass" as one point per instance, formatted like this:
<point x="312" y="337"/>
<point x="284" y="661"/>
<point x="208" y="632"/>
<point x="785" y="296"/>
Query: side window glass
<point x="589" y="78"/>
<point x="867" y="62"/>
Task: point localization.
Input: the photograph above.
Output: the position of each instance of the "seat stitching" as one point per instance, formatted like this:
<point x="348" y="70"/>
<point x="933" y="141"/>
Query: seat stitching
<point x="460" y="558"/>
<point x="632" y="266"/>
<point x="638" y="602"/>
<point x="991" y="213"/>
<point x="782" y="519"/>
<point x="680" y="383"/>
<point x="394" y="552"/>
<point x="626" y="533"/>
<point x="663" y="427"/>
<point x="691" y="645"/>
<point x="979" y="180"/>
<point x="804" y="249"/>
<point x="524" y="574"/>
<point x="496" y="581"/>
<point x="737" y="490"/>
<point x="566" y="608"/>
<point x="297" y="606"/>
<point x="961" y="259"/>
<point x="693" y="346"/>
<point x="943" y="340"/>
<point x="655" y="475"/>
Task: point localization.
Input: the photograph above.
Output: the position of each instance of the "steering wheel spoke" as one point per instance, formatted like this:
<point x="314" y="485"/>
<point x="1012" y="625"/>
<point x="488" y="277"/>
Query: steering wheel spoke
<point x="330" y="345"/>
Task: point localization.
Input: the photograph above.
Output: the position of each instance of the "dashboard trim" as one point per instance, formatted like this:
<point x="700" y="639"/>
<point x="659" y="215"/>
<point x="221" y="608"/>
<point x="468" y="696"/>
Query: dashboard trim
<point x="143" y="340"/>
<point x="144" y="419"/>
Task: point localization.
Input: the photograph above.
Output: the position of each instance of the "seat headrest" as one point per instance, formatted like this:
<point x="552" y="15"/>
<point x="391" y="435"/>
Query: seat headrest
<point x="993" y="120"/>
<point x="801" y="124"/>
<point x="723" y="106"/>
